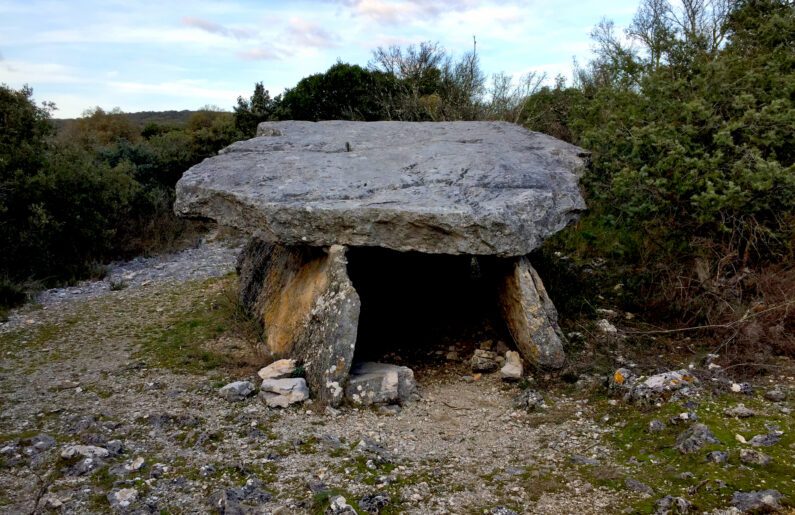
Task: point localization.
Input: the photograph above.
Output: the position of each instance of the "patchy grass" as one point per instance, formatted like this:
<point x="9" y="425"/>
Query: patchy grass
<point x="664" y="468"/>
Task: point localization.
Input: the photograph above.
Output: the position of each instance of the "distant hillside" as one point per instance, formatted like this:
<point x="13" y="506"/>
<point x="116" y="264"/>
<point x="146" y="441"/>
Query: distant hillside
<point x="179" y="118"/>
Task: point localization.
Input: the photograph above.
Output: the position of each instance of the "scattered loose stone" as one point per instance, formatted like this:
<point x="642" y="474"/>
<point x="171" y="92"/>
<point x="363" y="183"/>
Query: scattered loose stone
<point x="754" y="457"/>
<point x="656" y="426"/>
<point x="42" y="442"/>
<point x="512" y="369"/>
<point x="243" y="499"/>
<point x="502" y="510"/>
<point x="237" y="391"/>
<point x="583" y="460"/>
<point x="484" y="361"/>
<point x="316" y="487"/>
<point x="762" y="500"/>
<point x="278" y="369"/>
<point x="672" y="505"/>
<point x="87" y="451"/>
<point x="283" y="392"/>
<point x="694" y="438"/>
<point x="739" y="411"/>
<point x="684" y="418"/>
<point x="373" y="503"/>
<point x="639" y="487"/>
<point x="743" y="388"/>
<point x="381" y="383"/>
<point x="339" y="506"/>
<point x="717" y="457"/>
<point x="776" y="395"/>
<point x="640" y="389"/>
<point x="121" y="499"/>
<point x="528" y="400"/>
<point x="766" y="440"/>
<point x="606" y="327"/>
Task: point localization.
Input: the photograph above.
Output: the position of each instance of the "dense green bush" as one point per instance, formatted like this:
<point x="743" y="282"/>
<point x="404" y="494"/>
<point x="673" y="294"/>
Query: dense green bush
<point x="96" y="191"/>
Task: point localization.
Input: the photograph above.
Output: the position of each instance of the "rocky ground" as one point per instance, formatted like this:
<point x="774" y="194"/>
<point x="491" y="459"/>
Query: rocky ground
<point x="110" y="402"/>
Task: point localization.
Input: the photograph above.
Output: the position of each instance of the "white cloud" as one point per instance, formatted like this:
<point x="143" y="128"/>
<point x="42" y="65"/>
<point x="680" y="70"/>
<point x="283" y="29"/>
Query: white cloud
<point x="217" y="28"/>
<point x="310" y="34"/>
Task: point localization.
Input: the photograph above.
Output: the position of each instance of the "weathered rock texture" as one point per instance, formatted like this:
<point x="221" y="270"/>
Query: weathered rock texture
<point x="531" y="317"/>
<point x="487" y="188"/>
<point x="381" y="383"/>
<point x="308" y="306"/>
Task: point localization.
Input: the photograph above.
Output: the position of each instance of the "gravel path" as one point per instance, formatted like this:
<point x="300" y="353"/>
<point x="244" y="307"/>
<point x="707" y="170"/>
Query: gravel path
<point x="212" y="257"/>
<point x="109" y="402"/>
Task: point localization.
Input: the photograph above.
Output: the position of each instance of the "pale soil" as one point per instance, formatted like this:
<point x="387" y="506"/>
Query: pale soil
<point x="461" y="449"/>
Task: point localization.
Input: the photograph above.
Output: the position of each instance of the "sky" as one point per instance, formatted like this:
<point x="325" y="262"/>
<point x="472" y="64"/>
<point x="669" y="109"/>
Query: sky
<point x="145" y="55"/>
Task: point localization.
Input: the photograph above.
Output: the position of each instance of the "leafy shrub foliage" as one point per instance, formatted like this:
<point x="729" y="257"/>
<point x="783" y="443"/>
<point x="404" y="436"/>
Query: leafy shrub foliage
<point x="98" y="190"/>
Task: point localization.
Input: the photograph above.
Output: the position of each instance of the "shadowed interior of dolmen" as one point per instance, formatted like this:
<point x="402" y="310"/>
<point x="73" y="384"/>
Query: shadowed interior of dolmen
<point x="415" y="304"/>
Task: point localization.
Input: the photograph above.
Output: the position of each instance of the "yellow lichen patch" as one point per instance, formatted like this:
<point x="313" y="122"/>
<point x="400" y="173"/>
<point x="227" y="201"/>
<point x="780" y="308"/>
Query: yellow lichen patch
<point x="292" y="295"/>
<point x="618" y="377"/>
<point x="688" y="379"/>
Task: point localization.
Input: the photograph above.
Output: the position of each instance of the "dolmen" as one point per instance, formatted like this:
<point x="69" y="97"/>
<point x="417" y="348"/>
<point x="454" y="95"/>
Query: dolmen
<point x="307" y="192"/>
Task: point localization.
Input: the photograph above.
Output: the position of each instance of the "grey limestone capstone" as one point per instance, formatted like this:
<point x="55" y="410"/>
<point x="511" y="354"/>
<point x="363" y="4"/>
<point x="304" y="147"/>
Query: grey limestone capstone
<point x="480" y="188"/>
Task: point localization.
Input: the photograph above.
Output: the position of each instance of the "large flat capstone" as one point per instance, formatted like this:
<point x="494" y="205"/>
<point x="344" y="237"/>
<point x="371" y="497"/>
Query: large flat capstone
<point x="485" y="188"/>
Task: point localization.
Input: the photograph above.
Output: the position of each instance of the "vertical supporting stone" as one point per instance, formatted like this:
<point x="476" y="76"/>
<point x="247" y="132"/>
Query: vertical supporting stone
<point x="531" y="317"/>
<point x="308" y="307"/>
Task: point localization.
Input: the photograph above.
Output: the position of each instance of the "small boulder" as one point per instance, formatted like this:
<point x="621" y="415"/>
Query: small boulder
<point x="41" y="442"/>
<point x="637" y="486"/>
<point x="672" y="505"/>
<point x="606" y="327"/>
<point x="743" y="388"/>
<point x="753" y="457"/>
<point x="765" y="500"/>
<point x="237" y="391"/>
<point x="484" y="361"/>
<point x="86" y="451"/>
<point x="120" y="499"/>
<point x="528" y="400"/>
<point x="502" y="510"/>
<point x="656" y="426"/>
<point x="776" y="395"/>
<point x="278" y="369"/>
<point x="766" y="440"/>
<point x="283" y="392"/>
<point x="739" y="411"/>
<point x="512" y="369"/>
<point x="381" y="383"/>
<point x="640" y="389"/>
<point x="373" y="503"/>
<point x="583" y="460"/>
<point x="717" y="457"/>
<point x="339" y="506"/>
<point x="694" y="438"/>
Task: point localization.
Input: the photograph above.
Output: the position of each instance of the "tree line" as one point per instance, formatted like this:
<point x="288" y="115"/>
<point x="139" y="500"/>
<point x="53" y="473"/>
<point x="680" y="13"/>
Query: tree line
<point x="689" y="117"/>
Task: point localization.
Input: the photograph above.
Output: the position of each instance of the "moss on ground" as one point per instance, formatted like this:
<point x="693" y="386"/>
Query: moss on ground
<point x="665" y="469"/>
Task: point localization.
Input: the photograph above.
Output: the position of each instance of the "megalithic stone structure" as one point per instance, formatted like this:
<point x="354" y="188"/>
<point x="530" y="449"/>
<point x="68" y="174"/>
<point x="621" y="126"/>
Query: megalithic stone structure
<point x="304" y="191"/>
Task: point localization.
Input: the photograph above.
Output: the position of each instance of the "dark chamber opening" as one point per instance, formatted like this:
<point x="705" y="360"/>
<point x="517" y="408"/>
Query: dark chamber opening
<point x="415" y="305"/>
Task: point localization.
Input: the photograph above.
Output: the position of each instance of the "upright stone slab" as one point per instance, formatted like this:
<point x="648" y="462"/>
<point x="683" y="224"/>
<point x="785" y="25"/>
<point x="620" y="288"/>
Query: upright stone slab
<point x="308" y="307"/>
<point x="479" y="188"/>
<point x="531" y="317"/>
